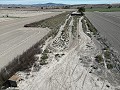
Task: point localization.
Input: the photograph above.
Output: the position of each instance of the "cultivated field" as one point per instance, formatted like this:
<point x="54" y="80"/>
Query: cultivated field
<point x="103" y="9"/>
<point x="108" y="24"/>
<point x="18" y="13"/>
<point x="14" y="39"/>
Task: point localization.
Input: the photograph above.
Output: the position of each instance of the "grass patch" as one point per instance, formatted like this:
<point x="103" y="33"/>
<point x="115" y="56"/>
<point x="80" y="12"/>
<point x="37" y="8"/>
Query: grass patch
<point x="102" y="9"/>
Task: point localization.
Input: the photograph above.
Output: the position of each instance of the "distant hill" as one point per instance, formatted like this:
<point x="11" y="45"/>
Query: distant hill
<point x="49" y="4"/>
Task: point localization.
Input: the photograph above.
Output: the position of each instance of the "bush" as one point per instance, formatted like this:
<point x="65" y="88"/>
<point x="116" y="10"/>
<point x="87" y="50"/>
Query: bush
<point x="98" y="58"/>
<point x="44" y="56"/>
<point x="109" y="66"/>
<point x="43" y="59"/>
<point x="46" y="51"/>
<point x="81" y="9"/>
<point x="107" y="54"/>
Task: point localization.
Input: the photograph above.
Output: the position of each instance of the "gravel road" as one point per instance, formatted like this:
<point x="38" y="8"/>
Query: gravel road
<point x="108" y="24"/>
<point x="14" y="39"/>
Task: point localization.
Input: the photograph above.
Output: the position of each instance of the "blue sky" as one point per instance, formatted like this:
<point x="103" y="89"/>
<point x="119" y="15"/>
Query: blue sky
<point x="59" y="1"/>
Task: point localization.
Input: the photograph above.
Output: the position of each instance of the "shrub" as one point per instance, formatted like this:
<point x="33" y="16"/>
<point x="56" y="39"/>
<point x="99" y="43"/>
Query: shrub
<point x="44" y="56"/>
<point x="98" y="58"/>
<point x="46" y="51"/>
<point x="81" y="9"/>
<point x="107" y="54"/>
<point x="109" y="66"/>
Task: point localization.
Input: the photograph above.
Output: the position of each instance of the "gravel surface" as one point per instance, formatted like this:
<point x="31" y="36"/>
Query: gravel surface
<point x="108" y="25"/>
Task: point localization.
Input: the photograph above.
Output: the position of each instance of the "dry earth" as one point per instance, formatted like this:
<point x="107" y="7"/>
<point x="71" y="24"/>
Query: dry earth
<point x="71" y="70"/>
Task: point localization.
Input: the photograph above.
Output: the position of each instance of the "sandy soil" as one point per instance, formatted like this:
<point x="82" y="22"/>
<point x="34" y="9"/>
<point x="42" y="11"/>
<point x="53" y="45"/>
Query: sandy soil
<point x="69" y="73"/>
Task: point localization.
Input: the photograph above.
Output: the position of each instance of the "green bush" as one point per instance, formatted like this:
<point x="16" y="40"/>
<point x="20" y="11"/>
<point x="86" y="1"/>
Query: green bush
<point x="43" y="59"/>
<point x="44" y="56"/>
<point x="98" y="58"/>
<point x="107" y="54"/>
<point x="81" y="9"/>
<point x="46" y="51"/>
<point x="109" y="66"/>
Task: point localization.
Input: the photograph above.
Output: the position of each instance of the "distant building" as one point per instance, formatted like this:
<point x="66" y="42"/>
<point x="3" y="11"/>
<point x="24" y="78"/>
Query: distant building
<point x="12" y="82"/>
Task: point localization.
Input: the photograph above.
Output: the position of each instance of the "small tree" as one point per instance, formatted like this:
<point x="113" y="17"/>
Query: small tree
<point x="109" y="6"/>
<point x="81" y="9"/>
<point x="91" y="7"/>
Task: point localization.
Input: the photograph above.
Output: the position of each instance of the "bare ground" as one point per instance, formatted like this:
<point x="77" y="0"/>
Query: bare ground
<point x="71" y="71"/>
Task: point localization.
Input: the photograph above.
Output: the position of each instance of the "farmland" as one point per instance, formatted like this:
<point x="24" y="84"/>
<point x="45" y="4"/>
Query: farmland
<point x="52" y="50"/>
<point x="103" y="9"/>
<point x="108" y="25"/>
<point x="13" y="36"/>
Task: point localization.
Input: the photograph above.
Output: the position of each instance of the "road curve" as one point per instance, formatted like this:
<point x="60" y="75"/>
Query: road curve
<point x="14" y="39"/>
<point x="108" y="25"/>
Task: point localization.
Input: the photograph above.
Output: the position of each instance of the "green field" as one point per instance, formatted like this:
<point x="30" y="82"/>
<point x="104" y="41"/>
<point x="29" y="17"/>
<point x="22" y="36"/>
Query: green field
<point x="102" y="9"/>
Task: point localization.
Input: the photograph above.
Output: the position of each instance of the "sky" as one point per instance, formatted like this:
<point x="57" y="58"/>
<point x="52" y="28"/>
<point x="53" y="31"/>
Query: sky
<point x="59" y="1"/>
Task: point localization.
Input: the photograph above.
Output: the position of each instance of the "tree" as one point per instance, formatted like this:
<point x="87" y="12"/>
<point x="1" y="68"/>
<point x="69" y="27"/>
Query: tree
<point x="81" y="9"/>
<point x="91" y="7"/>
<point x="66" y="7"/>
<point x="109" y="6"/>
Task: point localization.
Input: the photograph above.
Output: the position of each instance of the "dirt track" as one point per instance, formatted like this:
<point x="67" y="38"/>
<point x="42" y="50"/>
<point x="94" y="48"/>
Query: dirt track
<point x="69" y="73"/>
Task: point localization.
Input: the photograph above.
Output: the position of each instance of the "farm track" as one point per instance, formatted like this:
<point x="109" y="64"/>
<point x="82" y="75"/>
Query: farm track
<point x="14" y="39"/>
